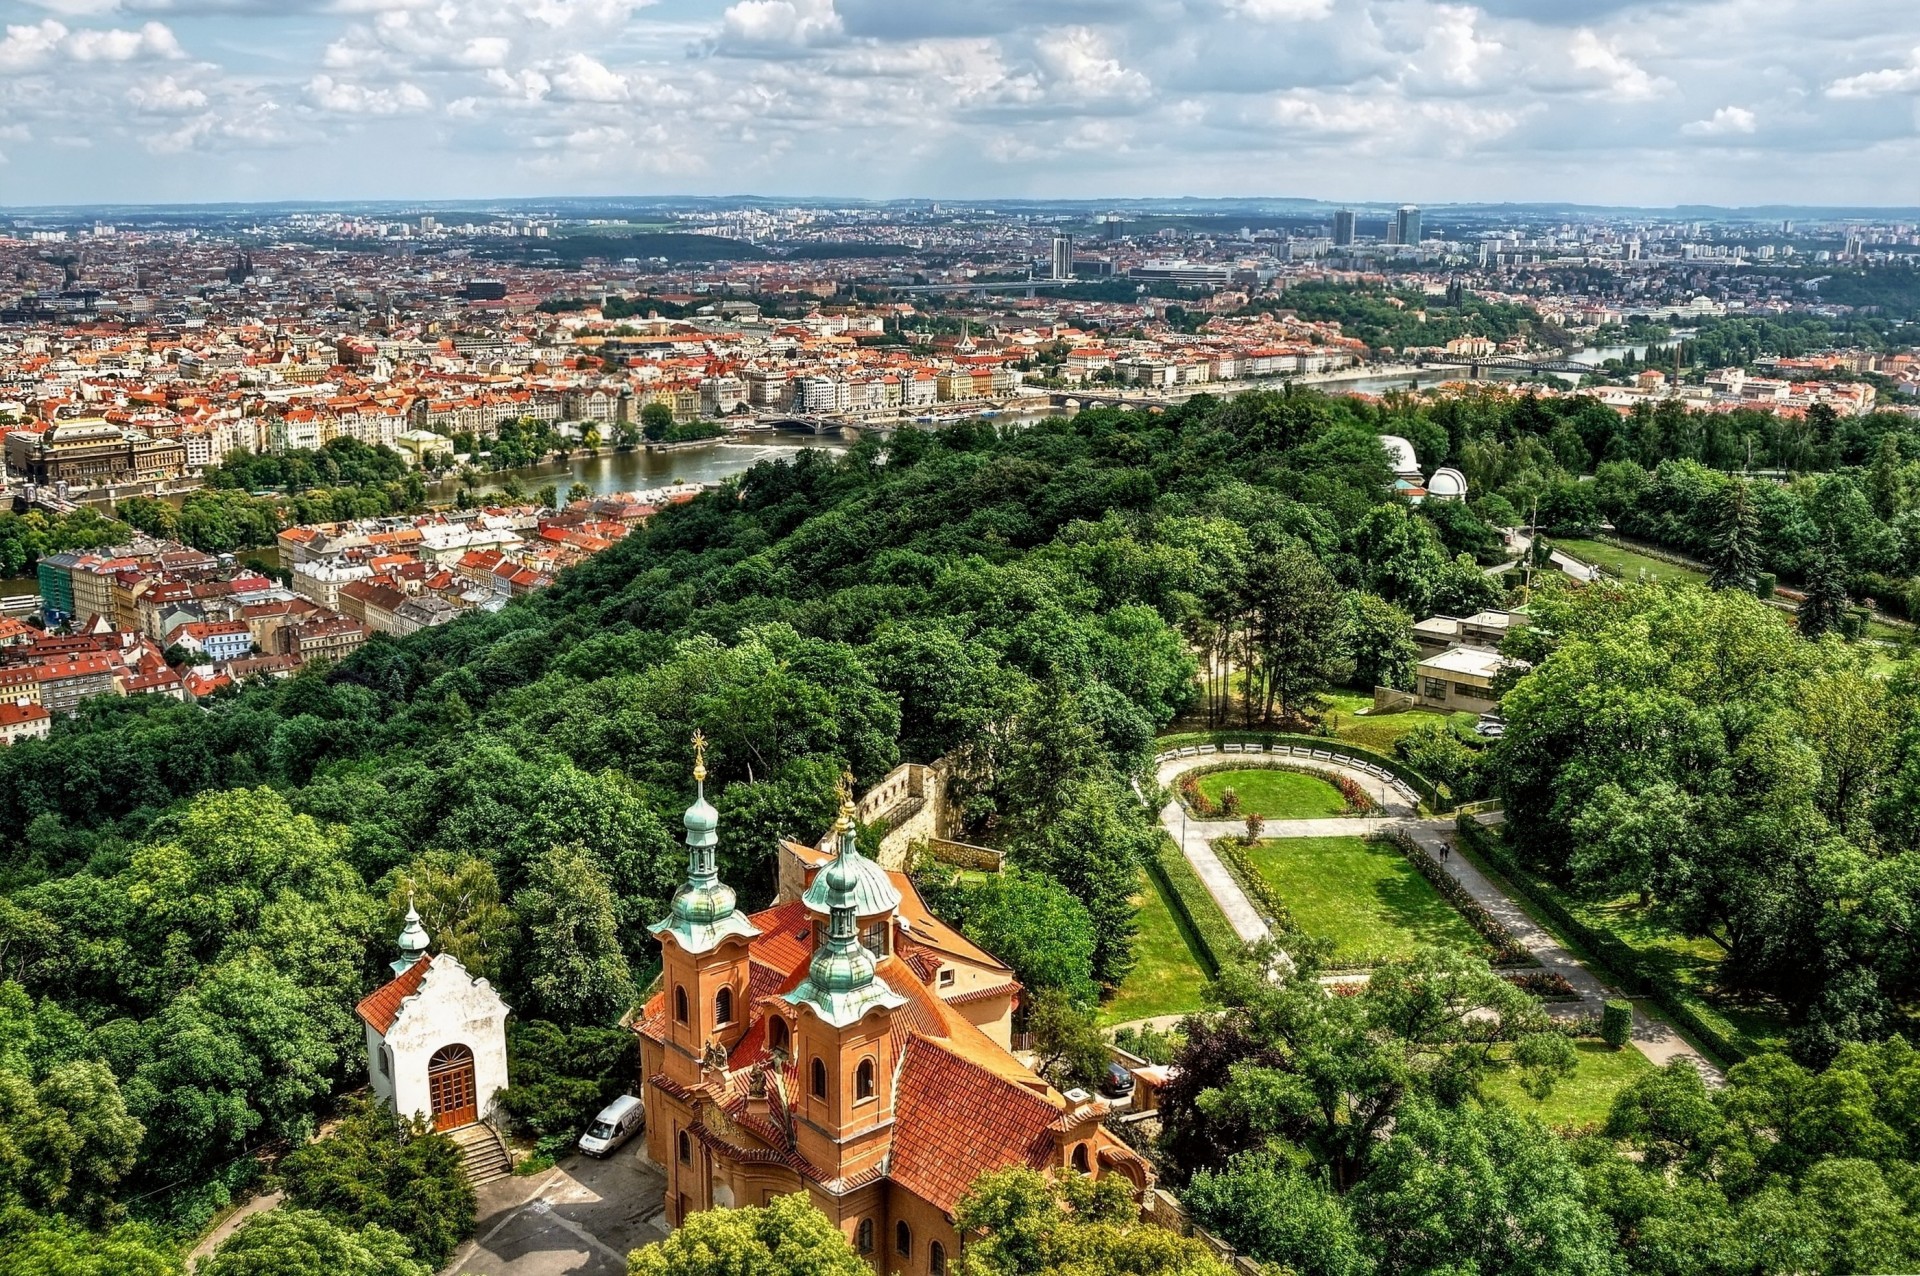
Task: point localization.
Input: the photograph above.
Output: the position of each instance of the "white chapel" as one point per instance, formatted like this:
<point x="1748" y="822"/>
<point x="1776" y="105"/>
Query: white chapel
<point x="436" y="1036"/>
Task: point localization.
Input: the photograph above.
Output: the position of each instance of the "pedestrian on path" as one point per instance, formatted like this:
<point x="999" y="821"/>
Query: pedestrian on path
<point x="1446" y="850"/>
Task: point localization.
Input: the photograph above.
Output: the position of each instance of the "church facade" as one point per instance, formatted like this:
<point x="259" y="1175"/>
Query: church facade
<point x="847" y="1043"/>
<point x="436" y="1037"/>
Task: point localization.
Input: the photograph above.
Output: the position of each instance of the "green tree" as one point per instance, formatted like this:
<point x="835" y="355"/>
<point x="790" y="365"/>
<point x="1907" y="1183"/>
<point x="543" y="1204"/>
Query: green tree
<point x="458" y="899"/>
<point x="1480" y="1190"/>
<point x="578" y="492"/>
<point x="561" y="1077"/>
<point x="788" y="1236"/>
<point x="32" y="1246"/>
<point x="373" y="1168"/>
<point x="1378" y="637"/>
<point x="1734" y="551"/>
<point x="1033" y="925"/>
<point x="1069" y="1048"/>
<point x="1827" y="595"/>
<point x="548" y="496"/>
<point x="1272" y="1210"/>
<point x="655" y="420"/>
<point x="572" y="963"/>
<point x="1030" y="1225"/>
<point x="297" y="1242"/>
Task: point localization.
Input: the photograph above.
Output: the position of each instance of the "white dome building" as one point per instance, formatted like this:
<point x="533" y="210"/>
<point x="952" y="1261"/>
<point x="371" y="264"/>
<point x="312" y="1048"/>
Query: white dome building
<point x="1447" y="484"/>
<point x="1400" y="456"/>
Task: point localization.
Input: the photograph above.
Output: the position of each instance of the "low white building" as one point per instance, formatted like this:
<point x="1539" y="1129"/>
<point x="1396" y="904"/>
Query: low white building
<point x="436" y="1037"/>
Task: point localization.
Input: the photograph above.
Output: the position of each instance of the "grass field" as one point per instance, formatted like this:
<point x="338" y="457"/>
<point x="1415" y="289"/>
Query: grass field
<point x="1626" y="564"/>
<point x="1167" y="977"/>
<point x="1379" y="733"/>
<point x="1363" y="896"/>
<point x="1582" y="1100"/>
<point x="1274" y="794"/>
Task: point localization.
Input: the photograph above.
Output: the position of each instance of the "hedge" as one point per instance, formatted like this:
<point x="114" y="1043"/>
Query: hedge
<point x="1187" y="895"/>
<point x="1430" y="794"/>
<point x="1507" y="948"/>
<point x="1621" y="959"/>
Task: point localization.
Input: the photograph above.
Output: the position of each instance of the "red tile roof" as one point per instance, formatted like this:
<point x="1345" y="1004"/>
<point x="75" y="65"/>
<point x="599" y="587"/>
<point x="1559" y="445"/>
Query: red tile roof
<point x="379" y="1008"/>
<point x="955" y="1120"/>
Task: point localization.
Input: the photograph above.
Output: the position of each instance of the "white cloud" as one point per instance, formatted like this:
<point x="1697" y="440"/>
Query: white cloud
<point x="1728" y="121"/>
<point x="1904" y="79"/>
<point x="1280" y="10"/>
<point x="581" y="79"/>
<point x="30" y="47"/>
<point x="341" y="97"/>
<point x="1610" y="72"/>
<point x="773" y="23"/>
<point x="1079" y="61"/>
<point x="166" y="96"/>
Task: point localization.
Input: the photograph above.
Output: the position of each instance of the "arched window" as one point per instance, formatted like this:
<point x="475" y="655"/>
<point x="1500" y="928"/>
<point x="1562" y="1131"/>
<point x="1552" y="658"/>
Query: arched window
<point x="679" y="1004"/>
<point x="1080" y="1157"/>
<point x="902" y="1238"/>
<point x="686" y="1149"/>
<point x="937" y="1259"/>
<point x="723" y="1007"/>
<point x="778" y="1038"/>
<point x="863" y="1081"/>
<point x="819" y="1078"/>
<point x="863" y="1236"/>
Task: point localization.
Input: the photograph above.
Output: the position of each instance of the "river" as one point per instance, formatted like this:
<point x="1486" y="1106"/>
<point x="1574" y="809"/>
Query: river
<point x="635" y="471"/>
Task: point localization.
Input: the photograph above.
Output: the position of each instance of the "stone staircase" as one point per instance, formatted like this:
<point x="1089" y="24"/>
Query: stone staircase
<point x="482" y="1154"/>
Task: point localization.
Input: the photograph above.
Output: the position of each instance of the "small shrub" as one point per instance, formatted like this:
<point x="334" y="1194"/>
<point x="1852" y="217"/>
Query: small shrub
<point x="1358" y="800"/>
<point x="1255" y="827"/>
<point x="1616" y="1023"/>
<point x="1229" y="802"/>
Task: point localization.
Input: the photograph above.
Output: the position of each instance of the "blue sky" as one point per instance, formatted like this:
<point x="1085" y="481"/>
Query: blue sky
<point x="1603" y="101"/>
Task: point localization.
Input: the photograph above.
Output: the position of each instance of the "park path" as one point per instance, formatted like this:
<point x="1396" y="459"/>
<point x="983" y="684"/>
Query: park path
<point x="231" y="1223"/>
<point x="1658" y="1040"/>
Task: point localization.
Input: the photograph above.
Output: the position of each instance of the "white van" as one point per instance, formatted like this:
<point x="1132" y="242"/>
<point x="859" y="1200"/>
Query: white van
<point x="617" y="1122"/>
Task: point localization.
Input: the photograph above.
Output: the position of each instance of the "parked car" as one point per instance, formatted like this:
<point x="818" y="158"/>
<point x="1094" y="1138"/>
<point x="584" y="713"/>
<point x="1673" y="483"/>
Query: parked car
<point x="1490" y="725"/>
<point x="1118" y="1083"/>
<point x="617" y="1122"/>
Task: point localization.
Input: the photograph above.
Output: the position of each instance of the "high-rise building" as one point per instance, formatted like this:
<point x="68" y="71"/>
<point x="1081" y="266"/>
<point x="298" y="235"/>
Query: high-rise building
<point x="1406" y="225"/>
<point x="1062" y="256"/>
<point x="1343" y="228"/>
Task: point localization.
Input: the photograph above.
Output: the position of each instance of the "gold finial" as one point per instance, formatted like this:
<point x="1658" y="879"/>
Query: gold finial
<point x="847" y="808"/>
<point x="699" y="756"/>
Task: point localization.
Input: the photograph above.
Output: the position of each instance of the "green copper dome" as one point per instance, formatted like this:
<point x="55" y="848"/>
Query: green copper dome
<point x="413" y="941"/>
<point x="842" y="983"/>
<point x="705" y="910"/>
<point x="871" y="891"/>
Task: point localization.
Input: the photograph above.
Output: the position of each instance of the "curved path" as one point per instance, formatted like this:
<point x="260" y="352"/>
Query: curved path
<point x="1658" y="1040"/>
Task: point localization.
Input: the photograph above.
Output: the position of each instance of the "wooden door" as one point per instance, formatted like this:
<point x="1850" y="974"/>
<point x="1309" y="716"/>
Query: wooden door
<point x="450" y="1085"/>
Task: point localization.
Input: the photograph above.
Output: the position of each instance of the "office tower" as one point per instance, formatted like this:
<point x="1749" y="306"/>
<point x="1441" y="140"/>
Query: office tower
<point x="1633" y="250"/>
<point x="1062" y="256"/>
<point x="1113" y="226"/>
<point x="1343" y="228"/>
<point x="1406" y="225"/>
<point x="1854" y="248"/>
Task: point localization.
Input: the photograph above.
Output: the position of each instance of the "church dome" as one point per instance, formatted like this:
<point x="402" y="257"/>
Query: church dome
<point x="863" y="884"/>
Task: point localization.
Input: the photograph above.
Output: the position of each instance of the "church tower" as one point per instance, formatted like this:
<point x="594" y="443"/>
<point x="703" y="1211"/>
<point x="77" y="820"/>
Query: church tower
<point x="703" y="947"/>
<point x="844" y="1051"/>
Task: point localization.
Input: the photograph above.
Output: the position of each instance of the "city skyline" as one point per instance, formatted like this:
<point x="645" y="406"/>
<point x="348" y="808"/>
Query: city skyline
<point x="1729" y="102"/>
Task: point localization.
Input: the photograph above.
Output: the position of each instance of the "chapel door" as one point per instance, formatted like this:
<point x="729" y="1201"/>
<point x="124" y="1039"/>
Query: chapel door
<point x="450" y="1086"/>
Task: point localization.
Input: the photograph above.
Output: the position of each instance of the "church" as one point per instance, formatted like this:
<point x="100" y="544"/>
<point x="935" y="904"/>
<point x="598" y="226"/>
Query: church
<point x="846" y="1043"/>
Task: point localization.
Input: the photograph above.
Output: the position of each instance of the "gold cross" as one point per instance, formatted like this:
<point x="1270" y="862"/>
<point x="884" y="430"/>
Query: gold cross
<point x="699" y="755"/>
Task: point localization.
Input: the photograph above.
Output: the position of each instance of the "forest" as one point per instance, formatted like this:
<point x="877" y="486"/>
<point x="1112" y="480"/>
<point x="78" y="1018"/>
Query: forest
<point x="193" y="897"/>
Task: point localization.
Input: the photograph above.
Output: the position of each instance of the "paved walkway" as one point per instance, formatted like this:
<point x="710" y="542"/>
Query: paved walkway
<point x="1654" y="1038"/>
<point x="227" y="1226"/>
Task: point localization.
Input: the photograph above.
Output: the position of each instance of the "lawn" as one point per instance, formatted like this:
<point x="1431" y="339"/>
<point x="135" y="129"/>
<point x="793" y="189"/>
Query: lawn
<point x="1624" y="563"/>
<point x="1275" y="794"/>
<point x="1364" y="896"/>
<point x="1582" y="1100"/>
<point x="1379" y="732"/>
<point x="1167" y="977"/>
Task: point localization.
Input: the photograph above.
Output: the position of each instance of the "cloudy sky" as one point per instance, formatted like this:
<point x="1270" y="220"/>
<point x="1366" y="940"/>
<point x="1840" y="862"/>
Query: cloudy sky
<point x="1606" y="101"/>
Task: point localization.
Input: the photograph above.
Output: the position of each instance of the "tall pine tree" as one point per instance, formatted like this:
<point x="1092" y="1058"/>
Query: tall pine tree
<point x="1734" y="552"/>
<point x="1826" y="601"/>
